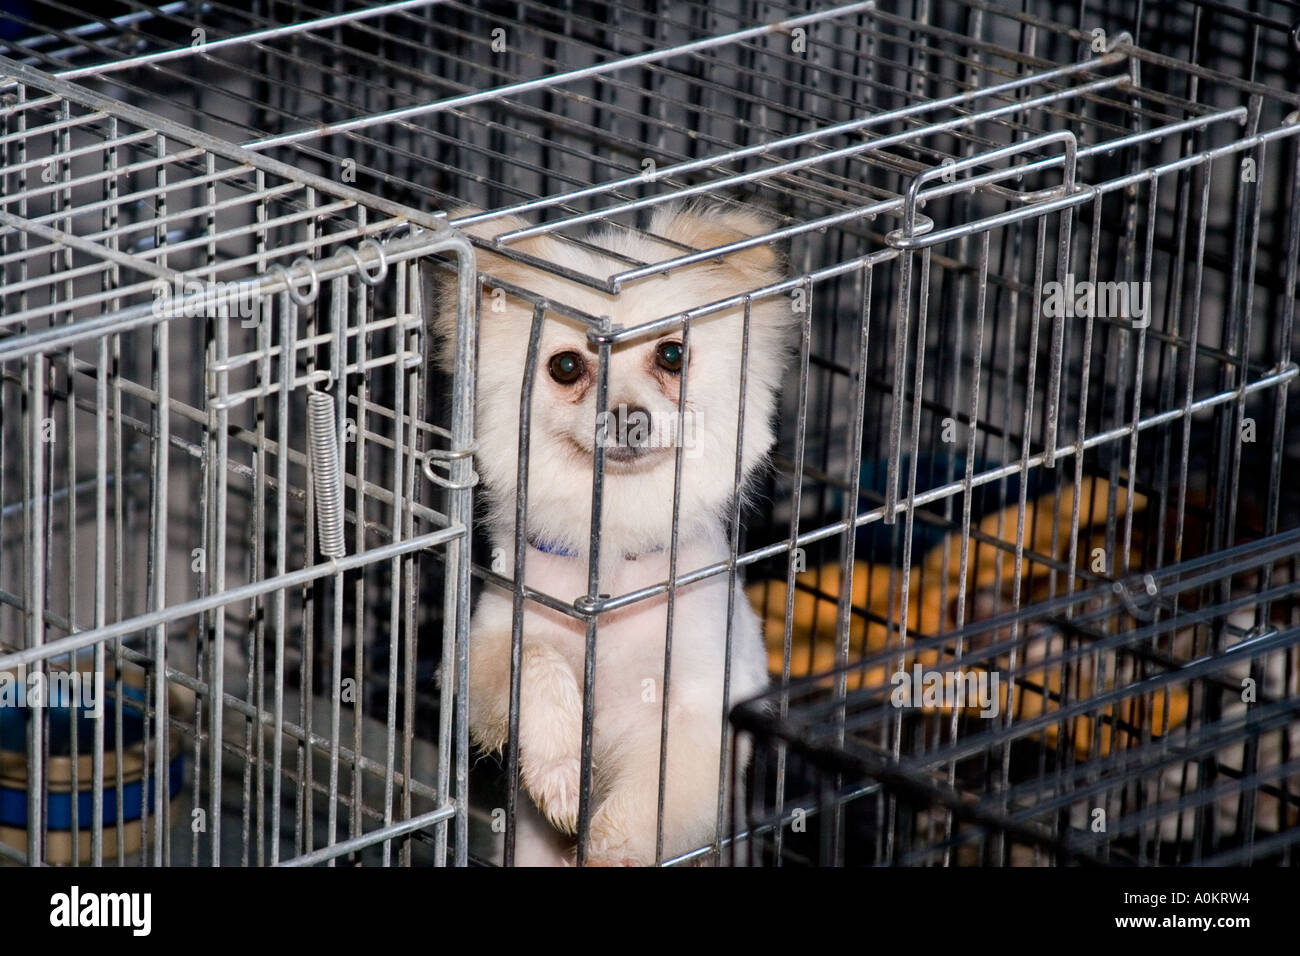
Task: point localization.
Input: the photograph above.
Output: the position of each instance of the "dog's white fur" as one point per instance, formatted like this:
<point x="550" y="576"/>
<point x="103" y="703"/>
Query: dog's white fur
<point x="635" y="525"/>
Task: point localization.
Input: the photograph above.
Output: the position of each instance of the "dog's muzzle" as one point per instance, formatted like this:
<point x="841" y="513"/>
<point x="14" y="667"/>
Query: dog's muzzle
<point x="627" y="433"/>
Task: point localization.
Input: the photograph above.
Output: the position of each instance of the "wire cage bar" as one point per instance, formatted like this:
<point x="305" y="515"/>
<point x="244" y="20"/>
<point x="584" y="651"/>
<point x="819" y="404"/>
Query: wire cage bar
<point x="1042" y="267"/>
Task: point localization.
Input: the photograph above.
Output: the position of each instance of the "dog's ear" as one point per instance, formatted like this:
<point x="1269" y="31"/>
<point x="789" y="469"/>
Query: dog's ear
<point x="494" y="265"/>
<point x="712" y="226"/>
<point x="490" y="265"/>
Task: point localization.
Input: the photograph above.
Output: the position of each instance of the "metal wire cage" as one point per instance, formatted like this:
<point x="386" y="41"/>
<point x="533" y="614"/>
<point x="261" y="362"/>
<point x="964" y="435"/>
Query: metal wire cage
<point x="961" y="438"/>
<point x="1148" y="720"/>
<point x="217" y="474"/>
<point x="1139" y="723"/>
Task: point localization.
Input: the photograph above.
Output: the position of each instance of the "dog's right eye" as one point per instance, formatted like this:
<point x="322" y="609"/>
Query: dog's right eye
<point x="567" y="367"/>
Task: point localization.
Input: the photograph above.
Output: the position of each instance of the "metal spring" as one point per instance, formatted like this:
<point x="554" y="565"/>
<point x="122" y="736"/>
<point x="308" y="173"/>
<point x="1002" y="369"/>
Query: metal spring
<point x="326" y="478"/>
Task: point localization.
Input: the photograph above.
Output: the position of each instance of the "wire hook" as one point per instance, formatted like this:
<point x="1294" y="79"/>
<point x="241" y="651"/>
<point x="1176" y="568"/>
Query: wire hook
<point x="300" y="298"/>
<point x="362" y="274"/>
<point x="438" y="456"/>
<point x="1146" y="610"/>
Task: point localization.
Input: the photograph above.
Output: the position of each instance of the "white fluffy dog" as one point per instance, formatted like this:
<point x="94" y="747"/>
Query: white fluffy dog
<point x="635" y="522"/>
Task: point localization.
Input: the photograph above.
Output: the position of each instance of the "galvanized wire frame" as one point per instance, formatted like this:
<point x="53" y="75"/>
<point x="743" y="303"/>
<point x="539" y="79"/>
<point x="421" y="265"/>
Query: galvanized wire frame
<point x="91" y="293"/>
<point x="870" y="119"/>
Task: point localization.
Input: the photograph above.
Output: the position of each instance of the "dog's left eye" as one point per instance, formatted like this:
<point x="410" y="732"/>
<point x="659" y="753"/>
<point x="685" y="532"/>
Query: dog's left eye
<point x="567" y="367"/>
<point x="669" y="356"/>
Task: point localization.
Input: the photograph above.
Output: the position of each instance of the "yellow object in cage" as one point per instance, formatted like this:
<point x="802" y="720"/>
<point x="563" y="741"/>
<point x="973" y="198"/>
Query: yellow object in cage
<point x="932" y="609"/>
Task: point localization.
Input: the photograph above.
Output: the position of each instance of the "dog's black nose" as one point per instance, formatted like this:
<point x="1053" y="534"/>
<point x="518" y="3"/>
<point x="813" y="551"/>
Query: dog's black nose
<point x="634" y="426"/>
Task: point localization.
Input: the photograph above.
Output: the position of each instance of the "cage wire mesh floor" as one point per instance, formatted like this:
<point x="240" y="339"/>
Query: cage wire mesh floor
<point x="1025" y="560"/>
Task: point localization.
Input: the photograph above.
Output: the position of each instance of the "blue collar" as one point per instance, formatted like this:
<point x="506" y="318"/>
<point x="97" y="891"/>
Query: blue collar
<point x="560" y="551"/>
<point x="550" y="547"/>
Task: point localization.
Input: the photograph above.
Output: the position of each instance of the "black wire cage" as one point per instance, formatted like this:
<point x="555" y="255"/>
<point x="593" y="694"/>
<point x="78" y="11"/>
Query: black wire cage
<point x="1149" y="721"/>
<point x="1022" y="561"/>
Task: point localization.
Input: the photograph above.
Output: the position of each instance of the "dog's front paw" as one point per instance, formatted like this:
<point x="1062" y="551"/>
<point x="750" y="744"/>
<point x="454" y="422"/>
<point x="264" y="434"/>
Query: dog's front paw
<point x="620" y="836"/>
<point x="554" y="787"/>
<point x="489" y="735"/>
<point x="613" y="861"/>
<point x="600" y="852"/>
